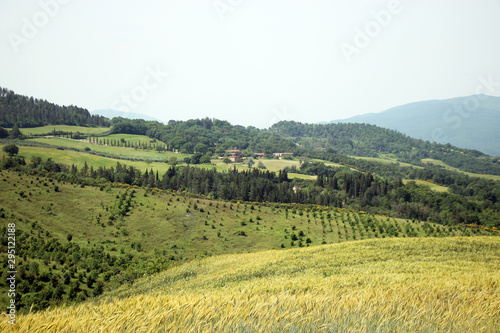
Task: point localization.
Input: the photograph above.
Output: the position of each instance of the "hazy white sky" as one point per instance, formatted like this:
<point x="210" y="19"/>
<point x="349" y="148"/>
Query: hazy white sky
<point x="251" y="62"/>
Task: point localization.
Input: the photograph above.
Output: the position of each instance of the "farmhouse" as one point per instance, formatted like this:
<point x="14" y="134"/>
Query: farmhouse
<point x="234" y="155"/>
<point x="279" y="155"/>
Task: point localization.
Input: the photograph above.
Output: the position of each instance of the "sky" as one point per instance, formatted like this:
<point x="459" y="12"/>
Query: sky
<point x="251" y="62"/>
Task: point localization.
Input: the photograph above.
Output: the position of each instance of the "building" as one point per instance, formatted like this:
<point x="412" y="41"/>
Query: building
<point x="234" y="155"/>
<point x="279" y="155"/>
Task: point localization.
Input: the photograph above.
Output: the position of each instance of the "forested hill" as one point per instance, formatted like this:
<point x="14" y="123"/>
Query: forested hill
<point x="373" y="141"/>
<point x="468" y="122"/>
<point x="206" y="136"/>
<point x="23" y="111"/>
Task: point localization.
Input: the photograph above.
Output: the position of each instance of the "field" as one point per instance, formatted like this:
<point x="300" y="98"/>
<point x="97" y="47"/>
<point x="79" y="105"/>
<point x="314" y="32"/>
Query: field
<point x="386" y="160"/>
<point x="63" y="128"/>
<point x="118" y="152"/>
<point x="434" y="187"/>
<point x="132" y="138"/>
<point x="448" y="167"/>
<point x="160" y="228"/>
<point x="161" y="219"/>
<point x="69" y="157"/>
<point x="390" y="285"/>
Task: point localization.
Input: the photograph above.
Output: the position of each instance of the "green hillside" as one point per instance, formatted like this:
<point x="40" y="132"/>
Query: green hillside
<point x="366" y="140"/>
<point x="119" y="231"/>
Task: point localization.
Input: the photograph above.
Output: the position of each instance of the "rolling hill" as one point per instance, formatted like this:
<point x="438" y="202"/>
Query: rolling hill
<point x="471" y="122"/>
<point x="391" y="285"/>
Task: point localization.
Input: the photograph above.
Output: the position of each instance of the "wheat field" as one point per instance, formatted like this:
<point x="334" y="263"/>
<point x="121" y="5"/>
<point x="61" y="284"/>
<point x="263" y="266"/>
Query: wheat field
<point x="383" y="285"/>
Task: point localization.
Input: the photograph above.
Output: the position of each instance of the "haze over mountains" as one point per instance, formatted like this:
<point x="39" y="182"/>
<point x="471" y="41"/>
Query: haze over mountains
<point x="471" y="122"/>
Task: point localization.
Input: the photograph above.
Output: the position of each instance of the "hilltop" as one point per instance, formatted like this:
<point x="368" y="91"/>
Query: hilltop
<point x="403" y="285"/>
<point x="470" y="122"/>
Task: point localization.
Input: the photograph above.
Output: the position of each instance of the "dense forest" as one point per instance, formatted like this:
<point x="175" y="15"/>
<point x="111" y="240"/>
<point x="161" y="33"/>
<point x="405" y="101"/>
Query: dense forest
<point x="23" y="111"/>
<point x="471" y="201"/>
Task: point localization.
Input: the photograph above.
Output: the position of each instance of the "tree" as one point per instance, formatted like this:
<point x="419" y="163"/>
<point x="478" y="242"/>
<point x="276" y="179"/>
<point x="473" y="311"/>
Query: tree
<point x="3" y="133"/>
<point x="226" y="160"/>
<point x="200" y="148"/>
<point x="70" y="237"/>
<point x="261" y="165"/>
<point x="250" y="162"/>
<point x="205" y="159"/>
<point x="15" y="133"/>
<point x="172" y="160"/>
<point x="11" y="149"/>
<point x="195" y="159"/>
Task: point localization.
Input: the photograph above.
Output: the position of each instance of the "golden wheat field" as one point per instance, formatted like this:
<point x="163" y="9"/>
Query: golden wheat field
<point x="383" y="285"/>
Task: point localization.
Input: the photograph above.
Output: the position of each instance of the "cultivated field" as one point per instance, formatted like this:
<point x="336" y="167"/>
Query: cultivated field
<point x="390" y="285"/>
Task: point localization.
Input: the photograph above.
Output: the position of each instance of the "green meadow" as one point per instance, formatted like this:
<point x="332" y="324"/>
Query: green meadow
<point x="448" y="167"/>
<point x="48" y="130"/>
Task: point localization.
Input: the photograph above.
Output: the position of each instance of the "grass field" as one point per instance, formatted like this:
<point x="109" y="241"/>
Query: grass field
<point x="69" y="157"/>
<point x="64" y="128"/>
<point x="119" y="152"/>
<point x="448" y="167"/>
<point x="163" y="219"/>
<point x="386" y="160"/>
<point x="132" y="138"/>
<point x="435" y="187"/>
<point x="175" y="228"/>
<point x="391" y="285"/>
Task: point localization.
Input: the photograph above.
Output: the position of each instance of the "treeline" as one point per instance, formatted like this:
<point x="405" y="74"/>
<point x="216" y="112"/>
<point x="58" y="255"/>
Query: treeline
<point x="338" y="187"/>
<point x="205" y="135"/>
<point x="370" y="141"/>
<point x="23" y="111"/>
<point x="470" y="198"/>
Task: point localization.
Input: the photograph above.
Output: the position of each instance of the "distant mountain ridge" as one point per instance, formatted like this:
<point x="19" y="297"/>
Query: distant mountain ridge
<point x="110" y="113"/>
<point x="471" y="122"/>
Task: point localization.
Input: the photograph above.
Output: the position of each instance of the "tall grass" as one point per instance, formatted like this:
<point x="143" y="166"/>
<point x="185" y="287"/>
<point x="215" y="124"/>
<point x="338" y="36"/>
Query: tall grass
<point x="390" y="285"/>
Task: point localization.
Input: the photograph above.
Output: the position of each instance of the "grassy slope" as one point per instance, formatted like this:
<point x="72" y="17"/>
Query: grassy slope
<point x="161" y="220"/>
<point x="448" y="167"/>
<point x="64" y="128"/>
<point x="386" y="160"/>
<point x="118" y="151"/>
<point x="435" y="187"/>
<point x="162" y="223"/>
<point x="69" y="157"/>
<point x="396" y="285"/>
